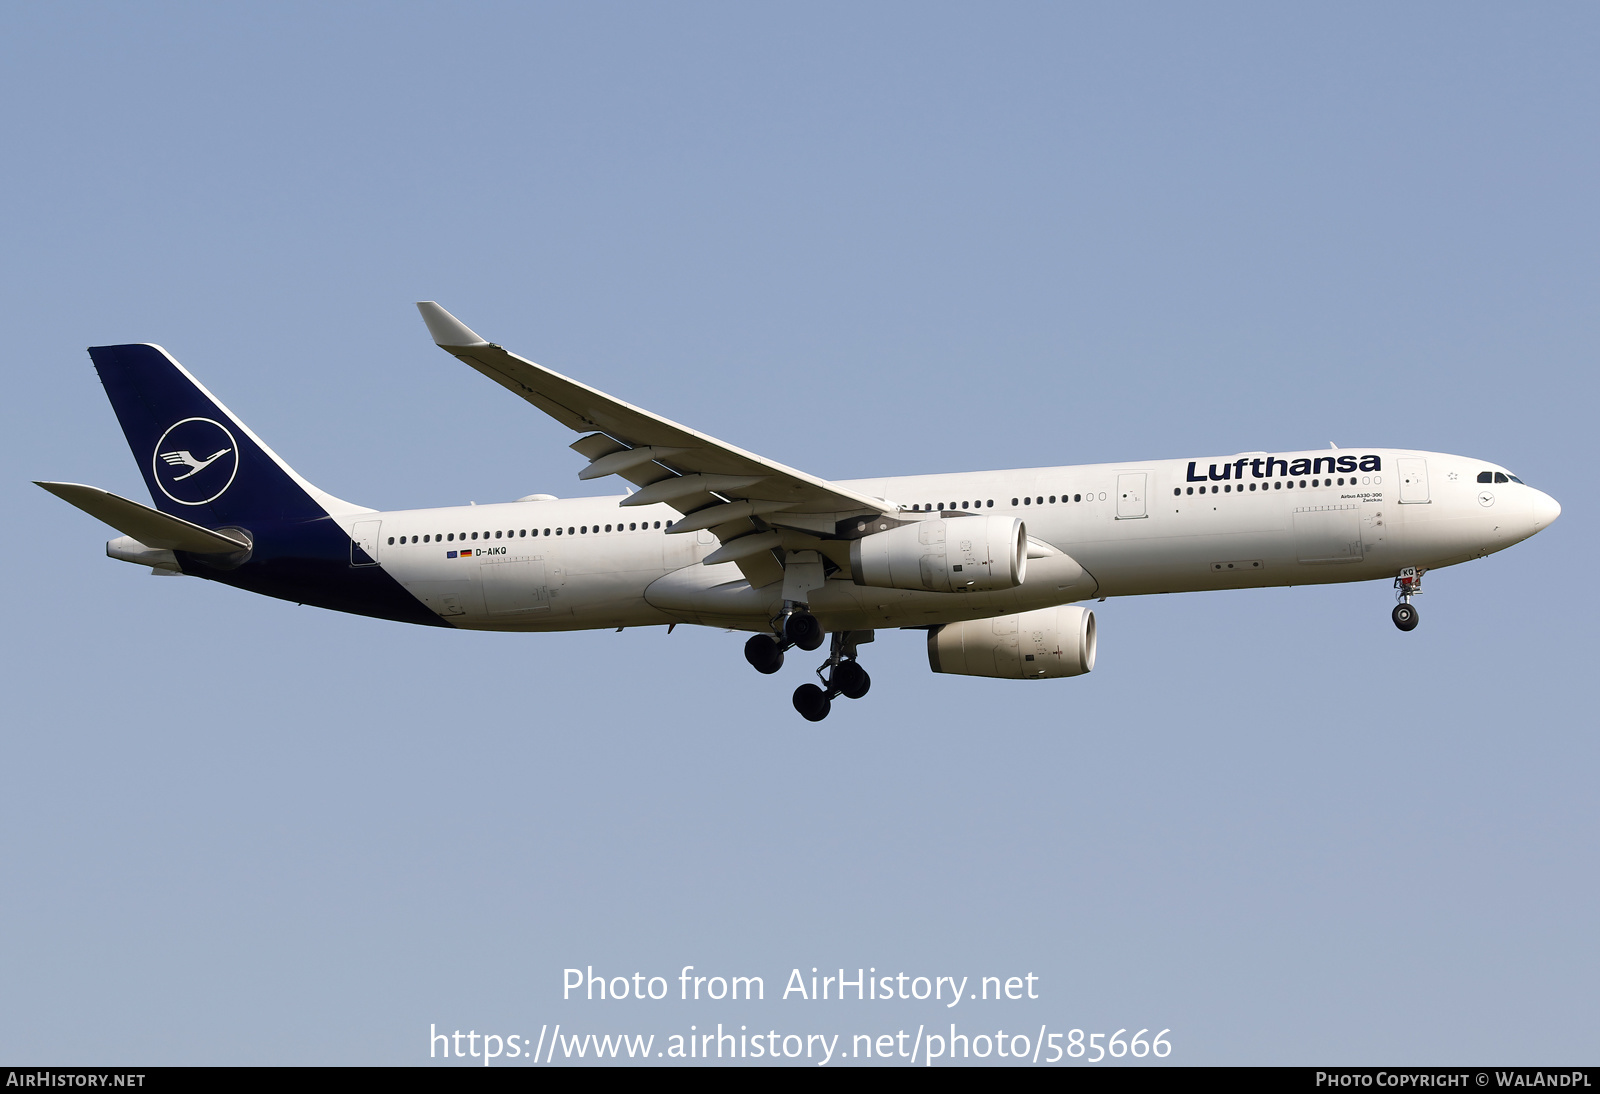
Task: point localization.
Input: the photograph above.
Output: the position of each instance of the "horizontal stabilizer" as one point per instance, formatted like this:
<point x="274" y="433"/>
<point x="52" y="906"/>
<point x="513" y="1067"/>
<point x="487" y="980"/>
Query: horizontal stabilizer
<point x="149" y="526"/>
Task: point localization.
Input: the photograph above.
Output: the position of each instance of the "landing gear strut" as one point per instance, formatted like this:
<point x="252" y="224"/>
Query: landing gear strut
<point x="841" y="674"/>
<point x="1407" y="585"/>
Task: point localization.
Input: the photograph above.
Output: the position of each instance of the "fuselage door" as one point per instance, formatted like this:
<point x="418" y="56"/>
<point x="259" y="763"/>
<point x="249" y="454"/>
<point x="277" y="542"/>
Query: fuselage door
<point x="364" y="543"/>
<point x="1130" y="495"/>
<point x="1413" y="481"/>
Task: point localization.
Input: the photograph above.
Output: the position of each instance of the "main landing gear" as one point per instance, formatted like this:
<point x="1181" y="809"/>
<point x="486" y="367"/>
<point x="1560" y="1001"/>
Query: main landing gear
<point x="799" y="628"/>
<point x="841" y="674"/>
<point x="765" y="653"/>
<point x="1407" y="585"/>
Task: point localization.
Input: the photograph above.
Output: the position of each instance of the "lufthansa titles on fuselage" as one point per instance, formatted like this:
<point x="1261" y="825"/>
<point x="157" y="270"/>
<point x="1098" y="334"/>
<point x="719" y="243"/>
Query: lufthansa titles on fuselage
<point x="1265" y="467"/>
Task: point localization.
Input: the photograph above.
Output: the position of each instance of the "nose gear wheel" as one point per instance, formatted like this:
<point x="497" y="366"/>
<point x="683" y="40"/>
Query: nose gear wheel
<point x="1405" y="617"/>
<point x="1407" y="585"/>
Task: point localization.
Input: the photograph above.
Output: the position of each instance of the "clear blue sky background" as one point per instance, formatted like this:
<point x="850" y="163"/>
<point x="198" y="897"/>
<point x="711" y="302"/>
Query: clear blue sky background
<point x="860" y="239"/>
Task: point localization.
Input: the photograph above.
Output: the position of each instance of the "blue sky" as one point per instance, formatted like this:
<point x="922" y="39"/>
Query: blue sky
<point x="861" y="240"/>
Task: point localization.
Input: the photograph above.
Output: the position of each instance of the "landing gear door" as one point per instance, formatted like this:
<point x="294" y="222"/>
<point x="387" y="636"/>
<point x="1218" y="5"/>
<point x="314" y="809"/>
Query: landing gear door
<point x="1130" y="495"/>
<point x="364" y="543"/>
<point x="1413" y="481"/>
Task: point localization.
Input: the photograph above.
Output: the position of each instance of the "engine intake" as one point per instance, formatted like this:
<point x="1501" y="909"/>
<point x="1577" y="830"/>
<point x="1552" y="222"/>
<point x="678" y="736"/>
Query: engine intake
<point x="1038" y="645"/>
<point x="964" y="554"/>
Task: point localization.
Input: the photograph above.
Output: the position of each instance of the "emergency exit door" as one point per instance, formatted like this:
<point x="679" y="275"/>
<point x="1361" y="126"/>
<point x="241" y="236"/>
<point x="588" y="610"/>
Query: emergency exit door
<point x="364" y="543"/>
<point x="1413" y="481"/>
<point x="1130" y="495"/>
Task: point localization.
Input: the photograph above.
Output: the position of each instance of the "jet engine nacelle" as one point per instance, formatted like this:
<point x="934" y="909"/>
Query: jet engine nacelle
<point x="1038" y="645"/>
<point x="963" y="554"/>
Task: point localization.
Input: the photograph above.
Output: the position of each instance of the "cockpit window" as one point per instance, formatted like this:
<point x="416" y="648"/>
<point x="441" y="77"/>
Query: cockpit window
<point x="1514" y="479"/>
<point x="1485" y="476"/>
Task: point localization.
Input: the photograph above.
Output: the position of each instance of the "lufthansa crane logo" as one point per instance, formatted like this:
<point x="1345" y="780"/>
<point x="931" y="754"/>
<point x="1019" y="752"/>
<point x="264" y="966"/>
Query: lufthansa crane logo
<point x="195" y="461"/>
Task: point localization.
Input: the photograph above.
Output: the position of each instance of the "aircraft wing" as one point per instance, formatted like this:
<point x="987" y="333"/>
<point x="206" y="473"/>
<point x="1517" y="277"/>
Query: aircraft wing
<point x="713" y="483"/>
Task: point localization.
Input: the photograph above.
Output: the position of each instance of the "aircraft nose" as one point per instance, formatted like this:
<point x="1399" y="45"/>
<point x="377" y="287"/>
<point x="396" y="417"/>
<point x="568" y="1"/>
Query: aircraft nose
<point x="1545" y="510"/>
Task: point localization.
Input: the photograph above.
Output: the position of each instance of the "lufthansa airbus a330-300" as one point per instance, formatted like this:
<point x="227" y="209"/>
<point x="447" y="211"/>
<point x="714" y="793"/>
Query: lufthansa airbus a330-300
<point x="989" y="563"/>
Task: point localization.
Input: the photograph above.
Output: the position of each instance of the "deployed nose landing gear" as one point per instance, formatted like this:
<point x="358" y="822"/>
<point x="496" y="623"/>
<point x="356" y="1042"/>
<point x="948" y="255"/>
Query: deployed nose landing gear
<point x="841" y="674"/>
<point x="1407" y="585"/>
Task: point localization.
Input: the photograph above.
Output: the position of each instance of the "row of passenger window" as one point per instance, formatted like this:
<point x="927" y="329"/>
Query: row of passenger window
<point x="523" y="533"/>
<point x="1051" y="500"/>
<point x="930" y="507"/>
<point x="1042" y="499"/>
<point x="1277" y="484"/>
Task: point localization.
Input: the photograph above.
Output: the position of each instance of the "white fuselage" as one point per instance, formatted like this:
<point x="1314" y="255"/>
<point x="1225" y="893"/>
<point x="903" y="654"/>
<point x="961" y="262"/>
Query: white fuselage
<point x="1125" y="529"/>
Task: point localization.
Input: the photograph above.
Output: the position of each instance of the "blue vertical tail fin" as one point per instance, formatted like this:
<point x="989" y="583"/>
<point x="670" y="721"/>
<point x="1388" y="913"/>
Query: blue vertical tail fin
<point x="200" y="462"/>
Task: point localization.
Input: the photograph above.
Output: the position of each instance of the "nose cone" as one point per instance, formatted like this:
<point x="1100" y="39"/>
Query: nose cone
<point x="1545" y="510"/>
